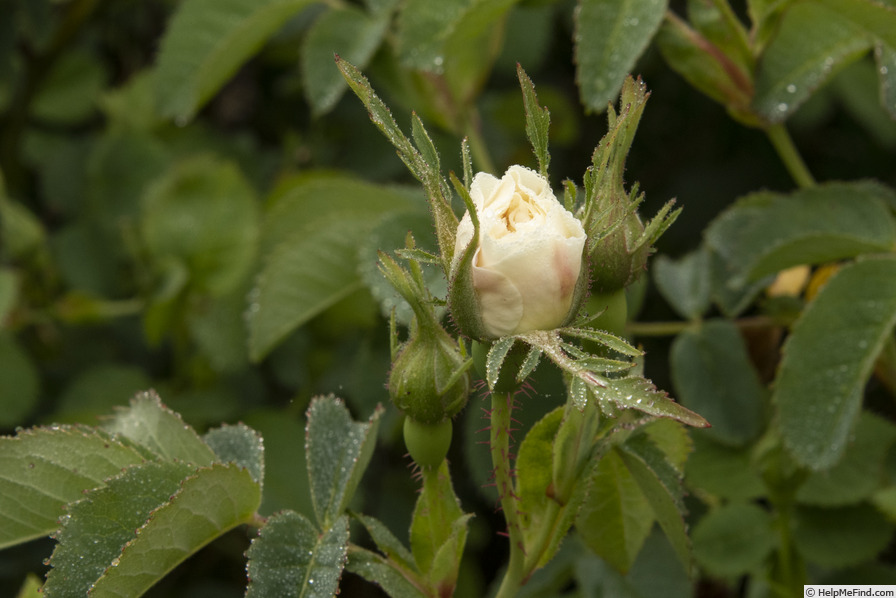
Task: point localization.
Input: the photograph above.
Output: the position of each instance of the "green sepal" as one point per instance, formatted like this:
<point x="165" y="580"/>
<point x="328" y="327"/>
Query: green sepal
<point x="422" y="160"/>
<point x="462" y="299"/>
<point x="437" y="547"/>
<point x="538" y="119"/>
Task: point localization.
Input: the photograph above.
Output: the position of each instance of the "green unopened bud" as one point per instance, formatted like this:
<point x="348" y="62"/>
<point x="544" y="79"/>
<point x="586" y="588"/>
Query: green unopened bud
<point x="429" y="380"/>
<point x="618" y="242"/>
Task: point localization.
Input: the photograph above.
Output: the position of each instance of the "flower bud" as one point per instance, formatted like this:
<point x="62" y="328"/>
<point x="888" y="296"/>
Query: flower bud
<point x="428" y="381"/>
<point x="525" y="272"/>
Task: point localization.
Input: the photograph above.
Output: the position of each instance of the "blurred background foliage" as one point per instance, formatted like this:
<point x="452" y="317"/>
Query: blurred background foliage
<point x="191" y="202"/>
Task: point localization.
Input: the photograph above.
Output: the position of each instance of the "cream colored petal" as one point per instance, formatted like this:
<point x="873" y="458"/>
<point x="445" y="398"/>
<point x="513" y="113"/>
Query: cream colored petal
<point x="500" y="303"/>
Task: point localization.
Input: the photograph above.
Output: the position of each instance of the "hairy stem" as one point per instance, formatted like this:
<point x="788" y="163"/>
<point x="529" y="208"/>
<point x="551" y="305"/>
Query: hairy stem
<point x="501" y="459"/>
<point x="788" y="153"/>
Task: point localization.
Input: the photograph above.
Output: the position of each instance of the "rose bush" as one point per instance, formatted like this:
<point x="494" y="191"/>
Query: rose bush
<point x="529" y="256"/>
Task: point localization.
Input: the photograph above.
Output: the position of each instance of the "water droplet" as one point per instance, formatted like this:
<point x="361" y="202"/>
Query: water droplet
<point x="782" y="107"/>
<point x="884" y="70"/>
<point x="791" y="88"/>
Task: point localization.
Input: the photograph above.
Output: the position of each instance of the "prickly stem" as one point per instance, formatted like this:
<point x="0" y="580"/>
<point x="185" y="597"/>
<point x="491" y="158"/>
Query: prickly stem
<point x="502" y="405"/>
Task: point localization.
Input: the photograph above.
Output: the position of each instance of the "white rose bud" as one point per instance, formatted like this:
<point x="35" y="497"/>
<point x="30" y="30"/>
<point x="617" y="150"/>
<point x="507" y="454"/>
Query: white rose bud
<point x="528" y="261"/>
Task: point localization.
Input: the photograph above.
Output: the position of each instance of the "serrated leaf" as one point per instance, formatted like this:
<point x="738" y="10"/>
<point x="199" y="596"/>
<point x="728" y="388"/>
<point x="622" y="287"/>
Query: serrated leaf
<point x="634" y="392"/>
<point x="663" y="494"/>
<point x="158" y="431"/>
<point x="713" y="376"/>
<point x="346" y="31"/>
<point x="828" y="359"/>
<point x="610" y="37"/>
<point x="206" y="42"/>
<point x="338" y="451"/>
<point x="238" y="444"/>
<point x="538" y="121"/>
<point x="97" y="527"/>
<point x="203" y="214"/>
<point x="841" y="537"/>
<point x="857" y="475"/>
<point x="42" y="469"/>
<point x="811" y="44"/>
<point x="611" y="341"/>
<point x="734" y="539"/>
<point x="434" y="523"/>
<point x="684" y="283"/>
<point x="376" y="569"/>
<point x="289" y="558"/>
<point x="616" y="518"/>
<point x="209" y="503"/>
<point x="765" y="232"/>
<point x="533" y="358"/>
<point x="496" y="355"/>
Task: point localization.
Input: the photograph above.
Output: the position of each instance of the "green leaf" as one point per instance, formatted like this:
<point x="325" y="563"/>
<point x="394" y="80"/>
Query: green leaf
<point x="811" y="44"/>
<point x="386" y="542"/>
<point x="289" y="558"/>
<point x="495" y="360"/>
<point x="663" y="494"/>
<point x="351" y="34"/>
<point x="841" y="537"/>
<point x="238" y="444"/>
<point x="97" y="527"/>
<point x="159" y="432"/>
<point x="203" y="213"/>
<point x="209" y="503"/>
<point x="472" y="45"/>
<point x="534" y="467"/>
<point x="734" y="539"/>
<point x="423" y="27"/>
<point x="310" y="237"/>
<point x="337" y="450"/>
<point x="640" y="394"/>
<point x="617" y="517"/>
<point x="858" y="474"/>
<point x="876" y="17"/>
<point x="610" y="37"/>
<point x="538" y="121"/>
<point x="886" y="70"/>
<point x="684" y="283"/>
<point x="713" y="376"/>
<point x="828" y="359"/>
<point x="206" y="42"/>
<point x="19" y="382"/>
<point x="438" y="525"/>
<point x="376" y="569"/>
<point x="723" y="471"/>
<point x="42" y="469"/>
<point x="703" y="65"/>
<point x="765" y="232"/>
